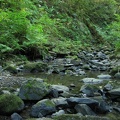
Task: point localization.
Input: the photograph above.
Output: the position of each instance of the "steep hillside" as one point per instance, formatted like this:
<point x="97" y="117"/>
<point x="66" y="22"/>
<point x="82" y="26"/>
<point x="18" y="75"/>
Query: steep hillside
<point x="37" y="28"/>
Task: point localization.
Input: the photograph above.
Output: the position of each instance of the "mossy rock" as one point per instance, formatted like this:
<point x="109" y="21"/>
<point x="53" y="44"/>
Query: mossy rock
<point x="11" y="69"/>
<point x="35" y="67"/>
<point x="115" y="70"/>
<point x="118" y="54"/>
<point x="34" y="90"/>
<point x="43" y="108"/>
<point x="78" y="117"/>
<point x="10" y="103"/>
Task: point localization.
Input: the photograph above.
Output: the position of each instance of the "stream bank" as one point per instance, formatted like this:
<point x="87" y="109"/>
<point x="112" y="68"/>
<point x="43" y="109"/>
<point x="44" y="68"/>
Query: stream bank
<point x="92" y="77"/>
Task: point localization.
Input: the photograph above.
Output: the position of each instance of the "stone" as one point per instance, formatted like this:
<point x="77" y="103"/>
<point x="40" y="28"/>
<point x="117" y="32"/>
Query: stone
<point x="60" y="88"/>
<point x="114" y="95"/>
<point x="86" y="67"/>
<point x="54" y="93"/>
<point x="16" y="116"/>
<point x="92" y="80"/>
<point x="60" y="112"/>
<point x="43" y="108"/>
<point x="72" y="101"/>
<point x="34" y="90"/>
<point x="60" y="102"/>
<point x="103" y="107"/>
<point x="84" y="109"/>
<point x="101" y="55"/>
<point x="117" y="75"/>
<point x="108" y="87"/>
<point x="104" y="77"/>
<point x="10" y="103"/>
<point x="89" y="90"/>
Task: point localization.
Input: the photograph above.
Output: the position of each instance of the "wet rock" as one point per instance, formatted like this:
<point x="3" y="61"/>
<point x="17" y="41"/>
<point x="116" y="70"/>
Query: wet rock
<point x="34" y="90"/>
<point x="10" y="103"/>
<point x="92" y="80"/>
<point x="16" y="116"/>
<point x="60" y="88"/>
<point x="43" y="108"/>
<point x="72" y="101"/>
<point x="103" y="77"/>
<point x="84" y="109"/>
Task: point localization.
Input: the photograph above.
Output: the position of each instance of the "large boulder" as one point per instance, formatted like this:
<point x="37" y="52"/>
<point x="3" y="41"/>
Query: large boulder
<point x="10" y="103"/>
<point x="84" y="109"/>
<point x="43" y="108"/>
<point x="34" y="90"/>
<point x="72" y="101"/>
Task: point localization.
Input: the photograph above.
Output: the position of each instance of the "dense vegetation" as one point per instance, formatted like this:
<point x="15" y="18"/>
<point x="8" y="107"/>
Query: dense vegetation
<point x="36" y="28"/>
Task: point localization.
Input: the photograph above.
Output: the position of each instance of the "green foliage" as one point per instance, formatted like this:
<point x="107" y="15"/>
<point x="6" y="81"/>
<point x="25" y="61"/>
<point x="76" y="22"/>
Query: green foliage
<point x="33" y="27"/>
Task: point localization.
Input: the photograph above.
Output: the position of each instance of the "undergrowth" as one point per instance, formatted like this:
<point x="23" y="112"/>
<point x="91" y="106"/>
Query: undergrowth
<point x="35" y="27"/>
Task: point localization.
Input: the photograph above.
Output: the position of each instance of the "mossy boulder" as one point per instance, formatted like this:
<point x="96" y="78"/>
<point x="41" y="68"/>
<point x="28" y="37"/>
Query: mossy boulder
<point x="34" y="89"/>
<point x="35" y="67"/>
<point x="114" y="70"/>
<point x="43" y="108"/>
<point x="11" y="68"/>
<point x="78" y="117"/>
<point x="10" y="103"/>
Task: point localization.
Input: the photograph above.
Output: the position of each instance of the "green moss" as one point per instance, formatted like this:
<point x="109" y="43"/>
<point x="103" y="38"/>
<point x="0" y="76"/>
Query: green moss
<point x="49" y="103"/>
<point x="78" y="117"/>
<point x="35" y="66"/>
<point x="11" y="69"/>
<point x="46" y="102"/>
<point x="115" y="70"/>
<point x="10" y="103"/>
